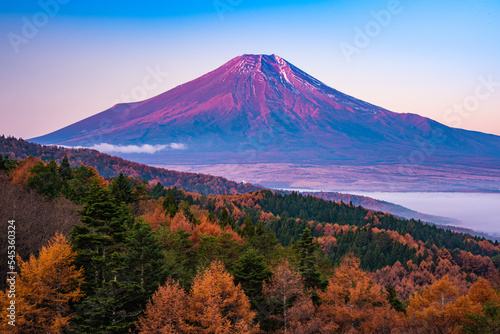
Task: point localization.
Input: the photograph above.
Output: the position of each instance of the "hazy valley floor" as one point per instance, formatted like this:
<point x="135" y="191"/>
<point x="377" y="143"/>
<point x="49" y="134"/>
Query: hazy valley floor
<point x="355" y="178"/>
<point x="477" y="211"/>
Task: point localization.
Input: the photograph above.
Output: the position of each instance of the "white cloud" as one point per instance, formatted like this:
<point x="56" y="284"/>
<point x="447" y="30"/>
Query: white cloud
<point x="146" y="148"/>
<point x="178" y="146"/>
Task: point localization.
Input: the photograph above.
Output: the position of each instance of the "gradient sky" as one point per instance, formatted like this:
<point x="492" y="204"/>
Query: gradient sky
<point x="427" y="57"/>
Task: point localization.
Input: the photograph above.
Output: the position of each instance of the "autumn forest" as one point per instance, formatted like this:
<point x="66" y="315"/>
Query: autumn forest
<point x="122" y="252"/>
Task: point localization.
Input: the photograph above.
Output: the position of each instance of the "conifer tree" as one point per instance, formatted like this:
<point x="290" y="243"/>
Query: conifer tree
<point x="217" y="305"/>
<point x="167" y="311"/>
<point x="250" y="271"/>
<point x="308" y="266"/>
<point x="124" y="261"/>
<point x="394" y="300"/>
<point x="158" y="191"/>
<point x="185" y="207"/>
<point x="352" y="302"/>
<point x="440" y="308"/>
<point x="97" y="239"/>
<point x="99" y="245"/>
<point x="145" y="261"/>
<point x="225" y="218"/>
<point x="45" y="179"/>
<point x="7" y="164"/>
<point x="44" y="290"/>
<point x="249" y="228"/>
<point x="170" y="204"/>
<point x="485" y="322"/>
<point x="121" y="188"/>
<point x="284" y="287"/>
<point x="65" y="171"/>
<point x="264" y="240"/>
<point x="181" y="257"/>
<point x="83" y="181"/>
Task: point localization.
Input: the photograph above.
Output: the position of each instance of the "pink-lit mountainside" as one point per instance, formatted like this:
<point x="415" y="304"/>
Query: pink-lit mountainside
<point x="261" y="109"/>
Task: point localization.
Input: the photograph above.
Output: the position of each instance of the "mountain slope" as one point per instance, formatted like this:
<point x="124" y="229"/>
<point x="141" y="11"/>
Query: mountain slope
<point x="263" y="106"/>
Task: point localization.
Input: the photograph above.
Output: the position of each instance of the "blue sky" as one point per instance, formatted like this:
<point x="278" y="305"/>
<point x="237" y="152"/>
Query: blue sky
<point x="413" y="56"/>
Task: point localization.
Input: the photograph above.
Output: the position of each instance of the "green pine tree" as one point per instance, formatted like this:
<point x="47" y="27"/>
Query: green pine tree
<point x="185" y="207"/>
<point x="249" y="228"/>
<point x="103" y="229"/>
<point x="83" y="181"/>
<point x="394" y="300"/>
<point x="308" y="266"/>
<point x="7" y="164"/>
<point x="65" y="171"/>
<point x="145" y="259"/>
<point x="180" y="254"/>
<point x="144" y="269"/>
<point x="170" y="204"/>
<point x="225" y="218"/>
<point x="250" y="271"/>
<point x="158" y="191"/>
<point x="45" y="179"/>
<point x="99" y="243"/>
<point x="122" y="188"/>
<point x="264" y="240"/>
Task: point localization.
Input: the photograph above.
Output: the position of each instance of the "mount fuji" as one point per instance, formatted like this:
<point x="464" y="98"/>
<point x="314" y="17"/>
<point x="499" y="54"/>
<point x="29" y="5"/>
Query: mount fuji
<point x="263" y="109"/>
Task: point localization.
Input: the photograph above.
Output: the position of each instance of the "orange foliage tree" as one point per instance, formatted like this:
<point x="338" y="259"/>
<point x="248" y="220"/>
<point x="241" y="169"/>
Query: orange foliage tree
<point x="166" y="311"/>
<point x="21" y="173"/>
<point x="214" y="305"/>
<point x="152" y="212"/>
<point x="352" y="302"/>
<point x="179" y="221"/>
<point x="440" y="308"/>
<point x="481" y="292"/>
<point x="217" y="305"/>
<point x="45" y="288"/>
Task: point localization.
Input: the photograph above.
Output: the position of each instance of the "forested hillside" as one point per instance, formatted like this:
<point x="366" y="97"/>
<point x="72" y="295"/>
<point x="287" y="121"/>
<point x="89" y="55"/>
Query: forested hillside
<point x="110" y="166"/>
<point x="147" y="258"/>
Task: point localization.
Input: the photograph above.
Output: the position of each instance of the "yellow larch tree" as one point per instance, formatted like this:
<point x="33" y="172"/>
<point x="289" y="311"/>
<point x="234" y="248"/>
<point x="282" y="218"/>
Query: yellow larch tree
<point x="217" y="305"/>
<point x="46" y="287"/>
<point x="439" y="308"/>
<point x="166" y="312"/>
<point x="352" y="302"/>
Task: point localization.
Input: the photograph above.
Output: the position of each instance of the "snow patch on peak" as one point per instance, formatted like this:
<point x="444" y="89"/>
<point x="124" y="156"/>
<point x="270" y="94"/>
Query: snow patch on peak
<point x="282" y="70"/>
<point x="282" y="67"/>
<point x="248" y="64"/>
<point x="278" y="59"/>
